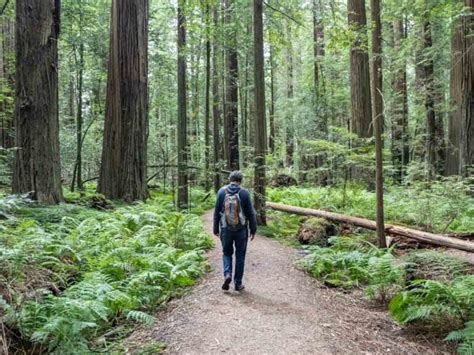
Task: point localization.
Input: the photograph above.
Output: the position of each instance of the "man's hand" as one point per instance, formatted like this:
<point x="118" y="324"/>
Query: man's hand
<point x="252" y="236"/>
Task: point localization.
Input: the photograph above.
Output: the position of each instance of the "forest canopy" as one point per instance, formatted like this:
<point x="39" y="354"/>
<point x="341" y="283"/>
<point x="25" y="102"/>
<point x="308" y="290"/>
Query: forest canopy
<point x="196" y="123"/>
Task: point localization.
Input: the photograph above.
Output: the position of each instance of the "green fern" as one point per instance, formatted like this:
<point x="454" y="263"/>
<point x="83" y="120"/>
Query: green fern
<point x="387" y="276"/>
<point x="465" y="337"/>
<point x="141" y="317"/>
<point x="76" y="275"/>
<point x="451" y="302"/>
<point x="351" y="262"/>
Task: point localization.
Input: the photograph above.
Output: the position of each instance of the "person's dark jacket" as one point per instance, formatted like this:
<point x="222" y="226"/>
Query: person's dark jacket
<point x="245" y="204"/>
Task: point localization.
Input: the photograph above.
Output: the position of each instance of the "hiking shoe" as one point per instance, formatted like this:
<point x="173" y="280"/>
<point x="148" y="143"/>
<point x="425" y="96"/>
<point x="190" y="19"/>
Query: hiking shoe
<point x="227" y="281"/>
<point x="239" y="287"/>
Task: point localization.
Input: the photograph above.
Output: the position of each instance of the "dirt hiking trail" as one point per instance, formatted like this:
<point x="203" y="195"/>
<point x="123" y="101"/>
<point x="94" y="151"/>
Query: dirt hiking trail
<point x="282" y="311"/>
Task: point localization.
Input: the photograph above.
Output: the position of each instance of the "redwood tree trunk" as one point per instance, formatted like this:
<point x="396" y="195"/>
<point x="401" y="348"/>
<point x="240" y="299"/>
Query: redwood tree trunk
<point x="467" y="103"/>
<point x="216" y="112"/>
<point x="359" y="71"/>
<point x="260" y="122"/>
<point x="318" y="78"/>
<point x="207" y="118"/>
<point x="182" y="117"/>
<point x="455" y="115"/>
<point x="434" y="153"/>
<point x="7" y="81"/>
<point x="124" y="152"/>
<point x="377" y="111"/>
<point x="37" y="164"/>
<point x="290" y="139"/>
<point x="400" y="151"/>
<point x="272" y="102"/>
<point x="79" y="120"/>
<point x="231" y="129"/>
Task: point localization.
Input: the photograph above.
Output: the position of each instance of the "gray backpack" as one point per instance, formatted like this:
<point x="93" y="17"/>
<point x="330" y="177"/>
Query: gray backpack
<point x="232" y="216"/>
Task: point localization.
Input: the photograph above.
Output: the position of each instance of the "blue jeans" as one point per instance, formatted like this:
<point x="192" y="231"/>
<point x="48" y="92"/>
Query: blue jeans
<point x="228" y="238"/>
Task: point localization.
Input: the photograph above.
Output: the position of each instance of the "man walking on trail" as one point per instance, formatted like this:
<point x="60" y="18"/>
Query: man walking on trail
<point x="233" y="217"/>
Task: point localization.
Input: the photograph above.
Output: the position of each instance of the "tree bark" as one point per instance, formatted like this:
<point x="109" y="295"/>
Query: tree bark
<point x="318" y="43"/>
<point x="359" y="71"/>
<point x="400" y="149"/>
<point x="290" y="139"/>
<point x="467" y="88"/>
<point x="319" y="104"/>
<point x="124" y="152"/>
<point x="231" y="129"/>
<point x="37" y="164"/>
<point x="455" y="118"/>
<point x="207" y="114"/>
<point x="7" y="80"/>
<point x="431" y="238"/>
<point x="216" y="112"/>
<point x="194" y="129"/>
<point x="260" y="121"/>
<point x="272" y="102"/>
<point x="79" y="120"/>
<point x="378" y="117"/>
<point x="434" y="125"/>
<point x="182" y="114"/>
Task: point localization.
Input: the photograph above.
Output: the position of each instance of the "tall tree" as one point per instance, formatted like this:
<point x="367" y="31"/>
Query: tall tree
<point x="318" y="45"/>
<point x="124" y="151"/>
<point x="182" y="116"/>
<point x="377" y="111"/>
<point x="260" y="122"/>
<point x="400" y="153"/>
<point x="216" y="112"/>
<point x="434" y="144"/>
<point x="455" y="116"/>
<point x="318" y="53"/>
<point x="361" y="121"/>
<point x="77" y="175"/>
<point x="37" y="164"/>
<point x="290" y="139"/>
<point x="207" y="119"/>
<point x="467" y="88"/>
<point x="7" y="80"/>
<point x="231" y="129"/>
<point x="272" y="139"/>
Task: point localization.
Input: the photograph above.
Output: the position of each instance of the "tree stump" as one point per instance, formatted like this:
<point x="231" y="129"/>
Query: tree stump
<point x="316" y="231"/>
<point x="283" y="180"/>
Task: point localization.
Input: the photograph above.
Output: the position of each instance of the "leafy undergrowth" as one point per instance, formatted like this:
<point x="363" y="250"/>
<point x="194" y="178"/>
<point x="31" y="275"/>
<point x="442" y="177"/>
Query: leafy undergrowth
<point x="352" y="261"/>
<point x="421" y="287"/>
<point x="281" y="226"/>
<point x="69" y="274"/>
<point x="438" y="206"/>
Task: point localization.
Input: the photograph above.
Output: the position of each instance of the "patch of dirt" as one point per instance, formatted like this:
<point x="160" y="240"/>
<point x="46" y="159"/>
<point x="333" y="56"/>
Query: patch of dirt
<point x="282" y="311"/>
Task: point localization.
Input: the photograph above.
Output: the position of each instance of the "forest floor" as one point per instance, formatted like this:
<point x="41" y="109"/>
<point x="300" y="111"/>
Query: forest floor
<point x="282" y="311"/>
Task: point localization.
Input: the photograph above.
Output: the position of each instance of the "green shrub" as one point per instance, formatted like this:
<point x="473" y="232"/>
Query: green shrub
<point x="352" y="262"/>
<point x="281" y="226"/>
<point x="440" y="206"/>
<point x="465" y="337"/>
<point x="69" y="279"/>
<point x="386" y="276"/>
<point x="451" y="303"/>
<point x="435" y="265"/>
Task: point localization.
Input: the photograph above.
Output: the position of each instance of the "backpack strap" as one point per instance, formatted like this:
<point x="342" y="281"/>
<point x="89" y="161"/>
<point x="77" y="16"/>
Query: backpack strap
<point x="226" y="194"/>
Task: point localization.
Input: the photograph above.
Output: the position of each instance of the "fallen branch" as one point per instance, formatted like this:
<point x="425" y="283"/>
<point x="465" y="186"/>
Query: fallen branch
<point x="435" y="239"/>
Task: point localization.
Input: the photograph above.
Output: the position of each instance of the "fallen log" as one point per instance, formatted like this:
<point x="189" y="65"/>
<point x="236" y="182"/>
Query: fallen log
<point x="430" y="238"/>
